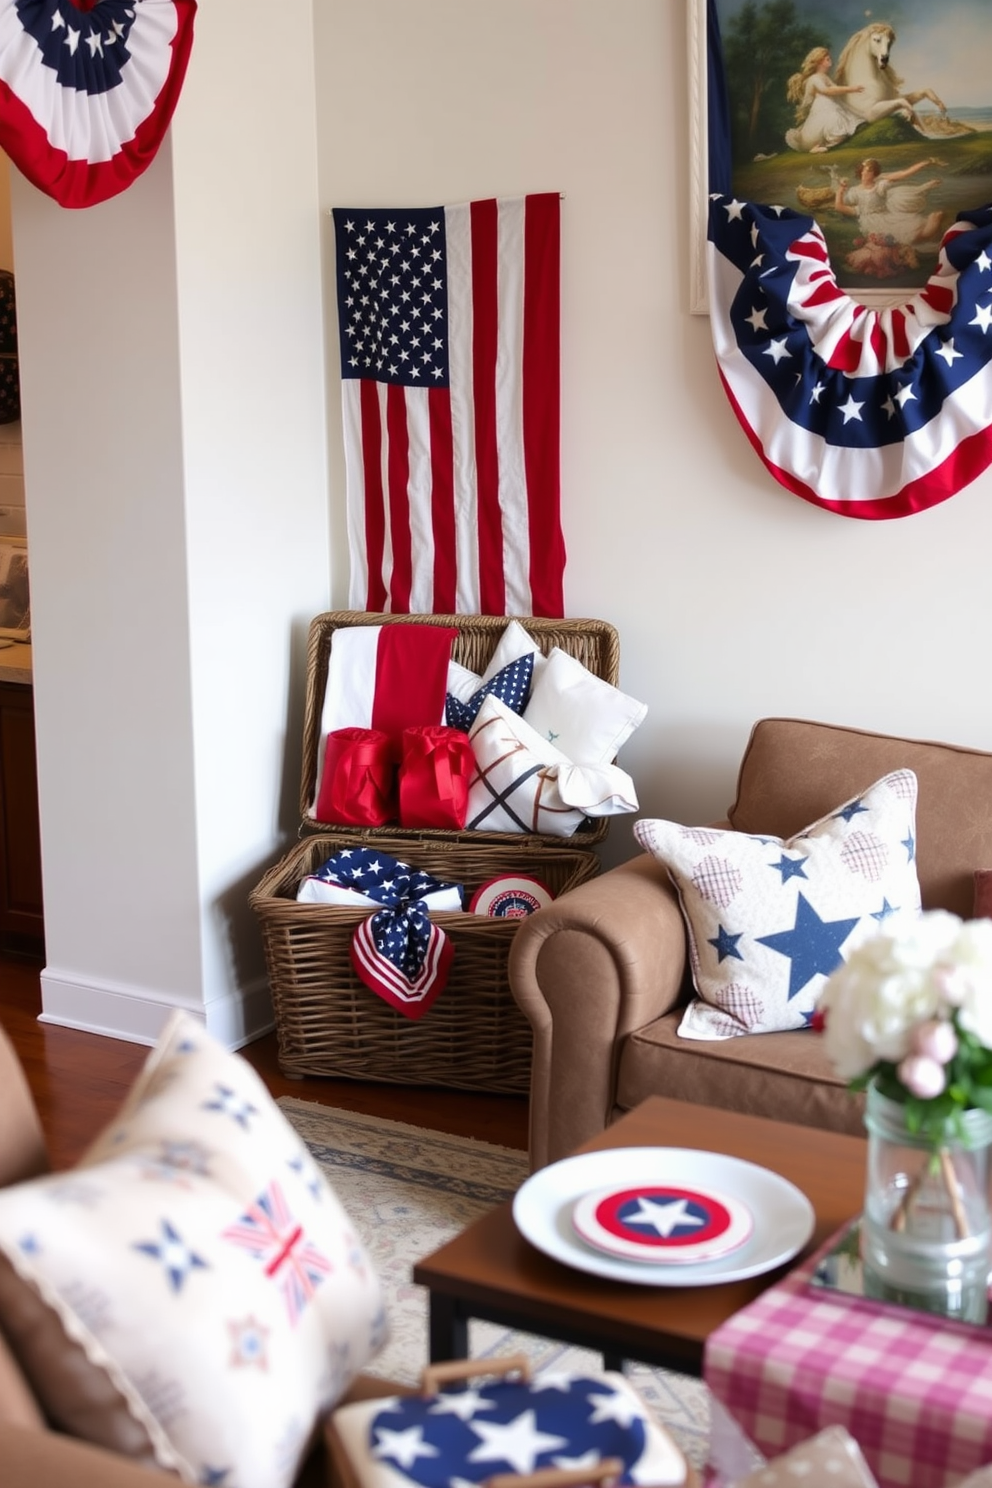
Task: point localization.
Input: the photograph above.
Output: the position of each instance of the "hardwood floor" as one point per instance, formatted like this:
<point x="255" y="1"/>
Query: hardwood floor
<point x="78" y="1080"/>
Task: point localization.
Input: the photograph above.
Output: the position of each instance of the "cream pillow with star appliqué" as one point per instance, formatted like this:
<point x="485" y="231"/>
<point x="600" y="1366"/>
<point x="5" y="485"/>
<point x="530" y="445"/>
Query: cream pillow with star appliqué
<point x="192" y="1295"/>
<point x="768" y="919"/>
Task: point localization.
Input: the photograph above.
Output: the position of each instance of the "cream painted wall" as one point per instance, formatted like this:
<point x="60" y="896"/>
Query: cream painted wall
<point x="175" y="453"/>
<point x="733" y="599"/>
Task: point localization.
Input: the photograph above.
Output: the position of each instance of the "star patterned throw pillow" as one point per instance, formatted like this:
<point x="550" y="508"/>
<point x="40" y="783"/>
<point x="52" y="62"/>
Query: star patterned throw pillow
<point x="511" y="685"/>
<point x="192" y="1295"/>
<point x="769" y="919"/>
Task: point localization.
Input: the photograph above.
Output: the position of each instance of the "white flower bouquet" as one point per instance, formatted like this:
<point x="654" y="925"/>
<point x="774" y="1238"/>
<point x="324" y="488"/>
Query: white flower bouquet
<point x="911" y="1011"/>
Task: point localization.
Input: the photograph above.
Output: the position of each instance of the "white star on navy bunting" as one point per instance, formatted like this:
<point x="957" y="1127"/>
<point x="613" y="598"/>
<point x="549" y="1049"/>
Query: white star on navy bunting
<point x="88" y="90"/>
<point x="812" y="945"/>
<point x="828" y="378"/>
<point x="511" y="685"/>
<point x="524" y="1429"/>
<point x="393" y="294"/>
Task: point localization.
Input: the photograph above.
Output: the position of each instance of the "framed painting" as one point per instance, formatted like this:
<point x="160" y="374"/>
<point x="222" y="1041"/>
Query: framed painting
<point x="879" y="127"/>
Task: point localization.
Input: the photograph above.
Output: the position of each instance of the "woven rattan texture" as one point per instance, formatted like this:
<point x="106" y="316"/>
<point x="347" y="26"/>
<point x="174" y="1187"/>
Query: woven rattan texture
<point x="592" y="642"/>
<point x="328" y="1022"/>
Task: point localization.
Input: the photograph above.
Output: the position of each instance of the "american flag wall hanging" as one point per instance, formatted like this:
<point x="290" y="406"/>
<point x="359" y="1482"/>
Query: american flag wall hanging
<point x="87" y="90"/>
<point x="449" y="324"/>
<point x="867" y="412"/>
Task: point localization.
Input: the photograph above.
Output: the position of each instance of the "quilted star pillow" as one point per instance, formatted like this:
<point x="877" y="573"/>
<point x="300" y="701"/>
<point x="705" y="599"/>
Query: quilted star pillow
<point x="192" y="1295"/>
<point x="769" y="919"/>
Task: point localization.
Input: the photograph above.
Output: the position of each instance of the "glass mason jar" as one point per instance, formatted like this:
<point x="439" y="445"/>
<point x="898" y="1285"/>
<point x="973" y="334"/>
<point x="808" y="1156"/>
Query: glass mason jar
<point x="926" y="1233"/>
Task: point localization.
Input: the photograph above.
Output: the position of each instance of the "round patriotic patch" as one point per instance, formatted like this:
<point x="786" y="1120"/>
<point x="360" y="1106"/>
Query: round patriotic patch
<point x="662" y="1224"/>
<point x="511" y="897"/>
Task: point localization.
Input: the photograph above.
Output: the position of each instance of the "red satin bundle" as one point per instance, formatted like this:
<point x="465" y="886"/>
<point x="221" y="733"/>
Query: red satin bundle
<point x="358" y="784"/>
<point x="435" y="771"/>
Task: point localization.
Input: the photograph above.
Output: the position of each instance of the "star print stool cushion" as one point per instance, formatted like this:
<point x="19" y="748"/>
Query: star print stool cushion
<point x="769" y="919"/>
<point x="516" y="1427"/>
<point x="192" y="1295"/>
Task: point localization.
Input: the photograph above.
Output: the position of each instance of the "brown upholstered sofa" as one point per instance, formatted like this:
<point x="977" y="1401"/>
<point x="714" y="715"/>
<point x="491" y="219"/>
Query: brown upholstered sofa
<point x="602" y="973"/>
<point x="31" y="1454"/>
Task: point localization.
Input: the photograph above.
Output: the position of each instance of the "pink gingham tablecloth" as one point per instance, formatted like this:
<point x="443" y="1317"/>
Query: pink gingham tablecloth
<point x="914" y="1391"/>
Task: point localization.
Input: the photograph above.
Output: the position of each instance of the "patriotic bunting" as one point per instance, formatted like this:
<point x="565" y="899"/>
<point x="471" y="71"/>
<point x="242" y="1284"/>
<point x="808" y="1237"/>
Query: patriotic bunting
<point x="449" y="328"/>
<point x="87" y="90"/>
<point x="870" y="413"/>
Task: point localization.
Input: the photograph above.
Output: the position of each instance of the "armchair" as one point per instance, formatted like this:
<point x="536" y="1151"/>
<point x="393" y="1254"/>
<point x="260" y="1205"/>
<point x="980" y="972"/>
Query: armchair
<point x="31" y="1452"/>
<point x="602" y="974"/>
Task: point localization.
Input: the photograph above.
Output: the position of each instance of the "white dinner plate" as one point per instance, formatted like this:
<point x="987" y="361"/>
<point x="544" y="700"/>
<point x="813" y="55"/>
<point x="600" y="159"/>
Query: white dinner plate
<point x="783" y="1215"/>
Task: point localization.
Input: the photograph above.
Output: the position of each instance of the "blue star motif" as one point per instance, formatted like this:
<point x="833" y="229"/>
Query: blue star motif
<point x="790" y="867"/>
<point x="812" y="945"/>
<point x="725" y="945"/>
<point x="909" y="843"/>
<point x="883" y="913"/>
<point x="176" y="1257"/>
<point x="852" y="809"/>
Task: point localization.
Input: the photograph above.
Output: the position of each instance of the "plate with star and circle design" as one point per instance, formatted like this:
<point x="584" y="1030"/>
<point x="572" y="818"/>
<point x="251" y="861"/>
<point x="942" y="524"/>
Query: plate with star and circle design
<point x="726" y="1219"/>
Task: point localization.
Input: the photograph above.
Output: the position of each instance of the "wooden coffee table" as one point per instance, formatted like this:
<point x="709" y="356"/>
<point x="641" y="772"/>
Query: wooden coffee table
<point x="491" y="1272"/>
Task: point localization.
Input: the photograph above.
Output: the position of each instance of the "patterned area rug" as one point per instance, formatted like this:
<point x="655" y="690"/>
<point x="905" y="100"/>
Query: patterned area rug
<point x="409" y="1190"/>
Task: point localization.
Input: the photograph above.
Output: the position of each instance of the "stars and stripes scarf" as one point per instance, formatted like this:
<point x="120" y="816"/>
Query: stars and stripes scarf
<point x="398" y="952"/>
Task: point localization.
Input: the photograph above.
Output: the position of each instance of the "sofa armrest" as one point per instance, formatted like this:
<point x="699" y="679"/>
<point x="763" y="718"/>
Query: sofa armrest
<point x="603" y="960"/>
<point x="31" y="1458"/>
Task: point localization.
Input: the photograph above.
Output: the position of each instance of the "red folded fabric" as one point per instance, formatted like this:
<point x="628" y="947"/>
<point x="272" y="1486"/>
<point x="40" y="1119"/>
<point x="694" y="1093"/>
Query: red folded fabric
<point x="435" y="769"/>
<point x="358" y="782"/>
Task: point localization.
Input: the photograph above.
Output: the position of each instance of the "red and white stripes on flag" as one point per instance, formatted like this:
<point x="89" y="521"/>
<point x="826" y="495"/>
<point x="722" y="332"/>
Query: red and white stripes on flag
<point x="450" y="358"/>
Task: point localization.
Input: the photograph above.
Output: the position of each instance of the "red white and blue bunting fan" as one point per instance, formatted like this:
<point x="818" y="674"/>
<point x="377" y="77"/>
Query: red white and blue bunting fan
<point x="870" y="413"/>
<point x="87" y="90"/>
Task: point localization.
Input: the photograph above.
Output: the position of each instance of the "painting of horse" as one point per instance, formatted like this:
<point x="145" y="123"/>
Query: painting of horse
<point x="866" y="63"/>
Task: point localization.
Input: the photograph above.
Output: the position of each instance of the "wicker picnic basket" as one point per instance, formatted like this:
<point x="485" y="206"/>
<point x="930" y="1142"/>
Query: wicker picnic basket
<point x="593" y="642"/>
<point x="328" y="1022"/>
<point x="474" y="1037"/>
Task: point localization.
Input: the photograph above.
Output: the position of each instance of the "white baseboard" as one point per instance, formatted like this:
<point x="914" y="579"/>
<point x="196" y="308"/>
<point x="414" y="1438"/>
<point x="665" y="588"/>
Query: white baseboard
<point x="124" y="1012"/>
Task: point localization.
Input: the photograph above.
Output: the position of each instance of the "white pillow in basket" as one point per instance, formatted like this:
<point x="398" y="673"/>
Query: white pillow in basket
<point x="524" y="784"/>
<point x="769" y="919"/>
<point x="192" y="1295"/>
<point x="515" y="785"/>
<point x="512" y="645"/>
<point x="586" y="717"/>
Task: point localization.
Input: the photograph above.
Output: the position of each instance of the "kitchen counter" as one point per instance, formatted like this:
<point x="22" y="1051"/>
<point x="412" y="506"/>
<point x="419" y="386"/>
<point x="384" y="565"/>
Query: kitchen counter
<point x="15" y="663"/>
